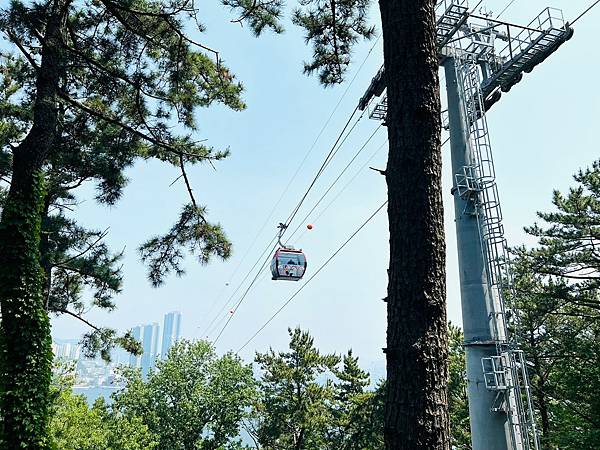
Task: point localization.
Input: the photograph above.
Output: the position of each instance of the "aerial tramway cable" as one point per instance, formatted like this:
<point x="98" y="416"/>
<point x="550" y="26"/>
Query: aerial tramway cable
<point x="505" y="8"/>
<point x="265" y="262"/>
<point x="328" y="158"/>
<point x="313" y="276"/>
<point x="341" y="139"/>
<point x="343" y="189"/>
<point x="585" y="12"/>
<point x="286" y="189"/>
<point x="336" y="180"/>
<point x="336" y="146"/>
<point x="332" y="153"/>
<point x="325" y="163"/>
<point x="237" y="305"/>
<point x="223" y="308"/>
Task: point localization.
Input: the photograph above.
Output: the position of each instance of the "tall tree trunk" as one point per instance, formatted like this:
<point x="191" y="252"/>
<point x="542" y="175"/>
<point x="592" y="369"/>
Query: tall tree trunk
<point x="25" y="342"/>
<point x="542" y="404"/>
<point x="416" y="414"/>
<point x="539" y="383"/>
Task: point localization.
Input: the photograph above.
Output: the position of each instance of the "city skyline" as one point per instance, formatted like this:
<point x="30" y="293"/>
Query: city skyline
<point x="92" y="371"/>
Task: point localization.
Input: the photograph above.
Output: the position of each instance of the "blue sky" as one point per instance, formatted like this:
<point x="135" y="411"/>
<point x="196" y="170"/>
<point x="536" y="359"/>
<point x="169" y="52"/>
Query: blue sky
<point x="542" y="132"/>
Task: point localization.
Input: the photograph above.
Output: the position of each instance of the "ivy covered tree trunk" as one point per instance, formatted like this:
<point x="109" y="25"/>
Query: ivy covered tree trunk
<point x="417" y="345"/>
<point x="25" y="341"/>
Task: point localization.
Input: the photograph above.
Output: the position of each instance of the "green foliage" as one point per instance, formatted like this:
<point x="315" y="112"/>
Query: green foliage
<point x="562" y="343"/>
<point x="136" y="111"/>
<point x="118" y="82"/>
<point x="63" y="376"/>
<point x="294" y="411"/>
<point x="100" y="341"/>
<point x="113" y="112"/>
<point x="557" y="294"/>
<point x="164" y="254"/>
<point x="76" y="426"/>
<point x="194" y="400"/>
<point x="568" y="252"/>
<point x="332" y="27"/>
<point x="134" y="107"/>
<point x="458" y="406"/>
<point x="79" y="261"/>
<point x="258" y="14"/>
<point x="357" y="421"/>
<point x="88" y="88"/>
<point x="308" y="402"/>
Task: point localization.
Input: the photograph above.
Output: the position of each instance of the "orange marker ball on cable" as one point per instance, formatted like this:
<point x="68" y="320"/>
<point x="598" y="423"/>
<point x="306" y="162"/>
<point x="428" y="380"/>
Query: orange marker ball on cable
<point x="309" y="226"/>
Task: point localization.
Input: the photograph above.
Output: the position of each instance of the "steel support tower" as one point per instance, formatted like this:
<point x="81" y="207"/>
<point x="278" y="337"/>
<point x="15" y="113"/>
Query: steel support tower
<point x="483" y="57"/>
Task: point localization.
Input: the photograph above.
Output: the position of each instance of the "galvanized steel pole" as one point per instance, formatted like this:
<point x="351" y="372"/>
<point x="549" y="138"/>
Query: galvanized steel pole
<point x="488" y="428"/>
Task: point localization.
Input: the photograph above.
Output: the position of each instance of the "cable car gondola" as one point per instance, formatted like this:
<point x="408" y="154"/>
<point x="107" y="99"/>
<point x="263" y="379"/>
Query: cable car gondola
<point x="287" y="263"/>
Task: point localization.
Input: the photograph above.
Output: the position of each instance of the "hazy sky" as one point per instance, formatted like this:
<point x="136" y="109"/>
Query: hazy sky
<point x="542" y="132"/>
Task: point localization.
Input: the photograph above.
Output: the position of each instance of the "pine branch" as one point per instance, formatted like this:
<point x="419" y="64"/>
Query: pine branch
<point x="78" y="317"/>
<point x="111" y="6"/>
<point x="187" y="184"/>
<point x="129" y="128"/>
<point x="62" y="264"/>
<point x="15" y="40"/>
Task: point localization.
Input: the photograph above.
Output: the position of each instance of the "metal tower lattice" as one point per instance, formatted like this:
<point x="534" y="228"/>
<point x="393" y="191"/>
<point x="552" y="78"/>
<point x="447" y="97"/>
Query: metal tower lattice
<point x="486" y="57"/>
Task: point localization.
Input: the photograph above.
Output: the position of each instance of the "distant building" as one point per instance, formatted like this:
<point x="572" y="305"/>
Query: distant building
<point x="171" y="332"/>
<point x="68" y="351"/>
<point x="120" y="356"/>
<point x="150" y="346"/>
<point x="136" y="361"/>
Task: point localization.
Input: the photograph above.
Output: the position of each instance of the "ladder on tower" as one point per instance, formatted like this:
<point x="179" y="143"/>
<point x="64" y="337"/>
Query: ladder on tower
<point x="506" y="372"/>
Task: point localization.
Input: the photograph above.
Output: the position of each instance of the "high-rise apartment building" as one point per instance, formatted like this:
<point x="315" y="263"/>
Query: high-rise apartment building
<point x="171" y="332"/>
<point x="136" y="361"/>
<point x="150" y="346"/>
<point x="68" y="351"/>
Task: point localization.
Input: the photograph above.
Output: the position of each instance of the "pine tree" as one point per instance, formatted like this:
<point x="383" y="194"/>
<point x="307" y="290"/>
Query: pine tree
<point x="568" y="253"/>
<point x="458" y="405"/>
<point x="74" y="259"/>
<point x="353" y="379"/>
<point x="557" y="294"/>
<point x="417" y="342"/>
<point x="294" y="408"/>
<point x="75" y="109"/>
<point x="561" y="341"/>
<point x="76" y="76"/>
<point x="357" y="422"/>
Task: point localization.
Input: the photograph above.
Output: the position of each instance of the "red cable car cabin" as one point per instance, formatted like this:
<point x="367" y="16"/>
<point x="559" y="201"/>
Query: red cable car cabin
<point x="288" y="264"/>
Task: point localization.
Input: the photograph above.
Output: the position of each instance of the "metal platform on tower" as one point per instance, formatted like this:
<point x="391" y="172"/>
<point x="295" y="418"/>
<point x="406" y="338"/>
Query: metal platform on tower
<point x="506" y="50"/>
